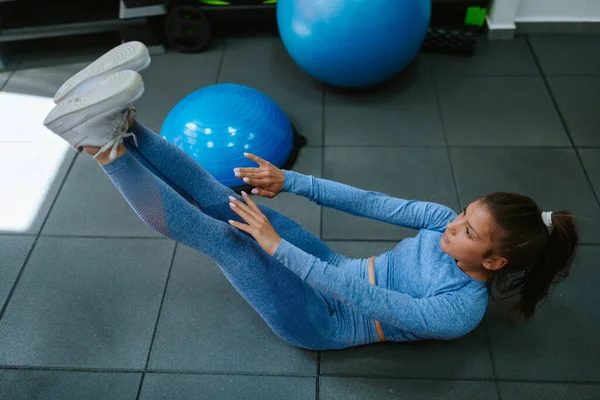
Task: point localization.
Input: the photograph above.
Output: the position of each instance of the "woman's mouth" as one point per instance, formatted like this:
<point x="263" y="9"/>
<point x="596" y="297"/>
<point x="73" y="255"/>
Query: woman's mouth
<point x="446" y="238"/>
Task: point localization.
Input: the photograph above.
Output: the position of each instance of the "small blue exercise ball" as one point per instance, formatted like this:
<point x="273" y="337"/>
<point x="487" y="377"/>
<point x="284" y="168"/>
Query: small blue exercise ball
<point x="353" y="43"/>
<point x="215" y="125"/>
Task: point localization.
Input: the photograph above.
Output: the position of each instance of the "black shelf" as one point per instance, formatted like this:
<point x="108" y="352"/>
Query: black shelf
<point x="36" y="20"/>
<point x="58" y="30"/>
<point x="29" y="14"/>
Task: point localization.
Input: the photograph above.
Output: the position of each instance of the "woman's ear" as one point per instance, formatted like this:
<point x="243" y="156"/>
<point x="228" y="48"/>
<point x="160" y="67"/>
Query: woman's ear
<point x="494" y="263"/>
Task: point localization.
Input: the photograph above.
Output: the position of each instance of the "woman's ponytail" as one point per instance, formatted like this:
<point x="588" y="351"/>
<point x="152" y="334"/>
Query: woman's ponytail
<point x="552" y="265"/>
<point x="538" y="256"/>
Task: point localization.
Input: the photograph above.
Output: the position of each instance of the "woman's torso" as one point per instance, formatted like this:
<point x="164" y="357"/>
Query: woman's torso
<point x="419" y="268"/>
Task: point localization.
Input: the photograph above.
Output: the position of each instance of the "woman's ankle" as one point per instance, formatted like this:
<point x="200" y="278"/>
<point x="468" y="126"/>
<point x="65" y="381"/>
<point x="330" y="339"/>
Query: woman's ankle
<point x="104" y="158"/>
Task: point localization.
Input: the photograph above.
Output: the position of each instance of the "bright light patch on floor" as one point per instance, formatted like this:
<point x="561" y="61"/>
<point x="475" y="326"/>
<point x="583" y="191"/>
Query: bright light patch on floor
<point x="22" y="116"/>
<point x="30" y="159"/>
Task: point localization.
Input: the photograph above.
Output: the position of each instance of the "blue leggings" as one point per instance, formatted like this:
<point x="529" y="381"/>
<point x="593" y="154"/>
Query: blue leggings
<point x="156" y="177"/>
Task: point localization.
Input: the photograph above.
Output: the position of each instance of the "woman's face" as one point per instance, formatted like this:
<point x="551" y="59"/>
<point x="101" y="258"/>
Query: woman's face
<point x="468" y="239"/>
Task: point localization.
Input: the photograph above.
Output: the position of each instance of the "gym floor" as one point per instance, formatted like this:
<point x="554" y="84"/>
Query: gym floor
<point x="95" y="305"/>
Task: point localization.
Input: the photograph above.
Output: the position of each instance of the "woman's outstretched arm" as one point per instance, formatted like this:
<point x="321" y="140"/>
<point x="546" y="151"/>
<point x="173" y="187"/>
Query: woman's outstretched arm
<point x="378" y="206"/>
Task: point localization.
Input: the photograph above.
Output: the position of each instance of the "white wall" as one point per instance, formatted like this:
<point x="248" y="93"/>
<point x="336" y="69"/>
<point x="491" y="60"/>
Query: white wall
<point x="503" y="13"/>
<point x="557" y="10"/>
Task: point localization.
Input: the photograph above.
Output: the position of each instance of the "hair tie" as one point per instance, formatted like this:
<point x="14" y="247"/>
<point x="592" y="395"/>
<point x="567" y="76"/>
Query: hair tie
<point x="547" y="218"/>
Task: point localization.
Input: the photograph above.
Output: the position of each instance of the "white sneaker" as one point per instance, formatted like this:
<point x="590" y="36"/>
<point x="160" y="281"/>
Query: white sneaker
<point x="100" y="116"/>
<point x="128" y="56"/>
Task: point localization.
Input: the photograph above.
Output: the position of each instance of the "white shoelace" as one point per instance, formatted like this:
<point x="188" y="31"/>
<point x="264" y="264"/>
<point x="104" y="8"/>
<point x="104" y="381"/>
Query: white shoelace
<point x="119" y="133"/>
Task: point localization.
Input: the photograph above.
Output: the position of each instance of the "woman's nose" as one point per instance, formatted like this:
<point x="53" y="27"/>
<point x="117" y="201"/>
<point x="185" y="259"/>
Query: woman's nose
<point x="451" y="228"/>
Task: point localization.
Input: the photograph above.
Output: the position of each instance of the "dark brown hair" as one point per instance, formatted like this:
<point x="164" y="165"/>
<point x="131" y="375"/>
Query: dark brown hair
<point x="537" y="256"/>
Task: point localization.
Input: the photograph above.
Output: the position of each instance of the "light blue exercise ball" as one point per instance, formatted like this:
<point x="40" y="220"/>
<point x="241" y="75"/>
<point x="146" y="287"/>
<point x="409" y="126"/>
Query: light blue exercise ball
<point x="215" y="125"/>
<point x="353" y="43"/>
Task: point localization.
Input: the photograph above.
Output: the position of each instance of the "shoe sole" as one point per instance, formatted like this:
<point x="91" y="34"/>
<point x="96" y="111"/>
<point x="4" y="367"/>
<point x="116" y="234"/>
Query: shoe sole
<point x="128" y="56"/>
<point x="118" y="92"/>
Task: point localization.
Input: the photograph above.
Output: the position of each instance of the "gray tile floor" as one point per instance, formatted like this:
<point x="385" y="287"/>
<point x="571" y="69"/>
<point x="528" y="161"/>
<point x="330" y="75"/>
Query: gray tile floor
<point x="95" y="305"/>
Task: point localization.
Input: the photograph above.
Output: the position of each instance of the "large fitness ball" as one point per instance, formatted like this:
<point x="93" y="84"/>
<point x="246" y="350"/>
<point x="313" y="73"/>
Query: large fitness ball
<point x="217" y="124"/>
<point x="353" y="43"/>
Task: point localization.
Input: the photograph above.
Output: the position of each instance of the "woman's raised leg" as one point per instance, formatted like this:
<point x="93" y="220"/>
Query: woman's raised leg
<point x="294" y="311"/>
<point x="212" y="197"/>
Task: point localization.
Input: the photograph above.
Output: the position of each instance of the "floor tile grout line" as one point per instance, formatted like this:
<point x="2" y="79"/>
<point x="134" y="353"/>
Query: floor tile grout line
<point x="452" y="170"/>
<point x="323" y="109"/>
<point x="139" y="392"/>
<point x="160" y="308"/>
<point x="563" y="121"/>
<point x="574" y="75"/>
<point x="317" y="387"/>
<point x="318" y="380"/>
<point x="150" y="370"/>
<point x="550" y="92"/>
<point x="232" y="373"/>
<point x="75" y="236"/>
<point x="72" y="369"/>
<point x="588" y="147"/>
<point x="438" y="103"/>
<point x="465" y="379"/>
<point x="491" y="352"/>
<point x="332" y="375"/>
<point x="220" y="67"/>
<point x="450" y="79"/>
<point x="443" y="126"/>
<point x="453" y="146"/>
<point x="319" y="354"/>
<point x="511" y="147"/>
<point x="14" y="70"/>
<point x="538" y="65"/>
<point x="35" y="241"/>
<point x="543" y="382"/>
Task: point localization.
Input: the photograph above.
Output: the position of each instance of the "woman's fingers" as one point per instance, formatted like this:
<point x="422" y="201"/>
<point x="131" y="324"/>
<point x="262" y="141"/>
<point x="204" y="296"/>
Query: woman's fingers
<point x="252" y="176"/>
<point x="257" y="159"/>
<point x="261" y="178"/>
<point x="239" y="225"/>
<point x="252" y="204"/>
<point x="250" y="213"/>
<point x="259" y="191"/>
<point x="262" y="170"/>
<point x="256" y="182"/>
<point x="242" y="210"/>
<point x="249" y="172"/>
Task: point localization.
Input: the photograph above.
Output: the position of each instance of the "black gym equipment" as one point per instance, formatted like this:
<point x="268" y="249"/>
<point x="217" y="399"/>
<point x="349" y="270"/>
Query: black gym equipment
<point x="187" y="29"/>
<point x="190" y="24"/>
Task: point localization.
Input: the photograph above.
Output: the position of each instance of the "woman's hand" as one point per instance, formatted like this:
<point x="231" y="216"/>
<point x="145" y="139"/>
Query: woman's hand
<point x="267" y="178"/>
<point x="258" y="224"/>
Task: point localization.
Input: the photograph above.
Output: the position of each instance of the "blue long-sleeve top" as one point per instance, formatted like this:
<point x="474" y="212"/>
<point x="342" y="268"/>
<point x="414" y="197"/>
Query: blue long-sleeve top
<point x="421" y="292"/>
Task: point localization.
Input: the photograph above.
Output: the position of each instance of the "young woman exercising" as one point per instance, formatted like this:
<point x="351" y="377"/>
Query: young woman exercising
<point x="432" y="286"/>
